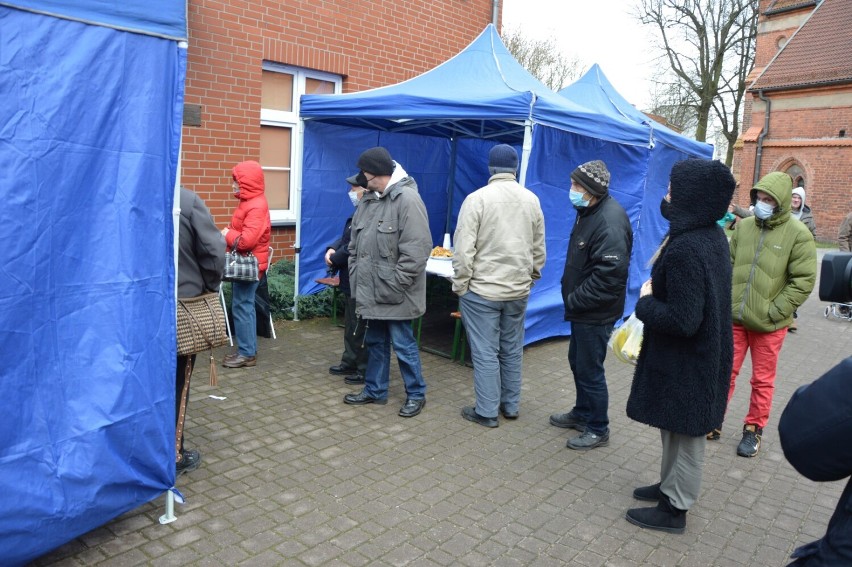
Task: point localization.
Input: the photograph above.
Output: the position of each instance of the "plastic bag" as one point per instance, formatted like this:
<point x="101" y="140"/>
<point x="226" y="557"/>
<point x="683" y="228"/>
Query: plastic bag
<point x="626" y="341"/>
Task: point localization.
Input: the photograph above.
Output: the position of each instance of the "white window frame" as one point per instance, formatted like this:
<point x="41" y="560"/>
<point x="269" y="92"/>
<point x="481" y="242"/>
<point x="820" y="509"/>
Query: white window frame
<point x="284" y="119"/>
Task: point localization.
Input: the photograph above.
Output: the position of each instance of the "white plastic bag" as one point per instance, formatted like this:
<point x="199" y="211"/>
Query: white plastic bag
<point x="626" y="341"/>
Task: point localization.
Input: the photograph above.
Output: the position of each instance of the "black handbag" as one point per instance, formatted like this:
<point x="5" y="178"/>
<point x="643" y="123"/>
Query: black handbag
<point x="240" y="267"/>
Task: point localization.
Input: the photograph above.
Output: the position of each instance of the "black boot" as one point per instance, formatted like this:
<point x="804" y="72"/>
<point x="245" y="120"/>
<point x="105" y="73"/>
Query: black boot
<point x="663" y="517"/>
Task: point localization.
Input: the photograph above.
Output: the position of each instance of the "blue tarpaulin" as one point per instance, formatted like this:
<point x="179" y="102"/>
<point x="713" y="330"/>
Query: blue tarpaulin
<point x="440" y="125"/>
<point x="89" y="139"/>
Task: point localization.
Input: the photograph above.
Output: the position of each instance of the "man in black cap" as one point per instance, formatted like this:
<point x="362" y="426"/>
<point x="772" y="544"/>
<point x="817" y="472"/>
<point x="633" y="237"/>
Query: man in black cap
<point x="353" y="363"/>
<point x="390" y="244"/>
<point x="499" y="253"/>
<point x="594" y="285"/>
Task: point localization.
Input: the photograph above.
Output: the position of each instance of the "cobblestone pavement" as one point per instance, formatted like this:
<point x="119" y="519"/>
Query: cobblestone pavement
<point x="292" y="476"/>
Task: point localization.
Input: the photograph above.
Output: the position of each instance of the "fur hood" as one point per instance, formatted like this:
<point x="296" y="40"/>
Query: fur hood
<point x="701" y="191"/>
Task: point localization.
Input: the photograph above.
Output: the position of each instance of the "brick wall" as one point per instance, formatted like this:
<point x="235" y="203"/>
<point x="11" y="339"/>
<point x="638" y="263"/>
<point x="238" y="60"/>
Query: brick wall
<point x="371" y="43"/>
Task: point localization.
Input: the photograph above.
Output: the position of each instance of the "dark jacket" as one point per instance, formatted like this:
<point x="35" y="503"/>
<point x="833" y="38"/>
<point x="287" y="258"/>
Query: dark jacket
<point x="250" y="222"/>
<point x="340" y="258"/>
<point x="388" y="252"/>
<point x="594" y="282"/>
<point x="815" y="431"/>
<point x="684" y="368"/>
<point x="201" y="248"/>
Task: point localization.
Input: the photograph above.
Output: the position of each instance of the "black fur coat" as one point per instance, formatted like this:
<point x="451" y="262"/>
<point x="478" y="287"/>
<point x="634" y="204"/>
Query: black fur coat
<point x="684" y="368"/>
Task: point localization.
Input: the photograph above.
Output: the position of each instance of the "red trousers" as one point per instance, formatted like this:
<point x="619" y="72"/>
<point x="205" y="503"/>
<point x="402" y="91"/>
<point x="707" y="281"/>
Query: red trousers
<point x="765" y="348"/>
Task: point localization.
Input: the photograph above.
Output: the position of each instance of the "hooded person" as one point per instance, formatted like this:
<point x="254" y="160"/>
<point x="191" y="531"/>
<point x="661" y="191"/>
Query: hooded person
<point x="799" y="210"/>
<point x="774" y="271"/>
<point x="681" y="380"/>
<point x="249" y="231"/>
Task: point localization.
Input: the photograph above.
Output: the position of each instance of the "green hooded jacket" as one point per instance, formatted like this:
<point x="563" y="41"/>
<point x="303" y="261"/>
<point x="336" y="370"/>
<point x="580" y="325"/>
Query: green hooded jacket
<point x="774" y="262"/>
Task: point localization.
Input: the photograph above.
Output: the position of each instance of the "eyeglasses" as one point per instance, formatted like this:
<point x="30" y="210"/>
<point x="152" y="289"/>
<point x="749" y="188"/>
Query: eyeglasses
<point x="369" y="178"/>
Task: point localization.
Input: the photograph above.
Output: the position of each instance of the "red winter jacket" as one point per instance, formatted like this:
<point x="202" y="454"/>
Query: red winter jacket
<point x="250" y="222"/>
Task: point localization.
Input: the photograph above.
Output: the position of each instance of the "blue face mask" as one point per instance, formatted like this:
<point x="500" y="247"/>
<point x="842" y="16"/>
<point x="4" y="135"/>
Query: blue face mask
<point x="353" y="196"/>
<point x="577" y="199"/>
<point x="763" y="210"/>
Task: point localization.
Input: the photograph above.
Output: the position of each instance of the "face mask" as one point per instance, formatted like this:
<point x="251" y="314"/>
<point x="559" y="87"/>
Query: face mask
<point x="763" y="210"/>
<point x="577" y="198"/>
<point x="665" y="209"/>
<point x="353" y="196"/>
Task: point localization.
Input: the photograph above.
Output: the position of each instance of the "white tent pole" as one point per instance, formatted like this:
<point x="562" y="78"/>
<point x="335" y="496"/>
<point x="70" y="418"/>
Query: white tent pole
<point x="297" y="195"/>
<point x="526" y="151"/>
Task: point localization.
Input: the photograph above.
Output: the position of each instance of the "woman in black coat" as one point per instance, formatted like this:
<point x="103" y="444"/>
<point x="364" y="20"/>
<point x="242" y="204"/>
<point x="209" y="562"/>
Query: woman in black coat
<point x="684" y="367"/>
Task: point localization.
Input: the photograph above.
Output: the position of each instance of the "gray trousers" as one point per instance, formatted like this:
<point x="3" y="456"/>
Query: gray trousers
<point x="495" y="333"/>
<point x="681" y="468"/>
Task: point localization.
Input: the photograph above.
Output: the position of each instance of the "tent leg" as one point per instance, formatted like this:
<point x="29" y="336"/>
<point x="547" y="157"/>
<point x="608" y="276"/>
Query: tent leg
<point x="169" y="516"/>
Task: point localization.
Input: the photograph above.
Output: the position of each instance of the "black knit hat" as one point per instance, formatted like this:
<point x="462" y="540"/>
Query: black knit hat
<point x="594" y="176"/>
<point x="503" y="157"/>
<point x="376" y="161"/>
<point x="357" y="180"/>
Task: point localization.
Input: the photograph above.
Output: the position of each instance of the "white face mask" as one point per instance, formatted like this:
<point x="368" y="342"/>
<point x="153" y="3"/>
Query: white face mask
<point x="763" y="210"/>
<point x="354" y="197"/>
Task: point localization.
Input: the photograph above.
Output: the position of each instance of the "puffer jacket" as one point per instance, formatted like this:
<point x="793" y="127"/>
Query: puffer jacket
<point x="774" y="262"/>
<point x="499" y="241"/>
<point x="684" y="368"/>
<point x="250" y="222"/>
<point x="594" y="282"/>
<point x="390" y="244"/>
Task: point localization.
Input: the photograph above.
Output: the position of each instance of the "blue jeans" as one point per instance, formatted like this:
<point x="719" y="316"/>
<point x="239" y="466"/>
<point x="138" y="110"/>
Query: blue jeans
<point x="245" y="316"/>
<point x="379" y="336"/>
<point x="495" y="332"/>
<point x="586" y="354"/>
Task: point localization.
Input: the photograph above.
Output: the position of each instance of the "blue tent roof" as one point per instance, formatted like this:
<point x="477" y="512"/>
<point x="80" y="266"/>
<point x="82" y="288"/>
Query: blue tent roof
<point x="593" y="90"/>
<point x="482" y="92"/>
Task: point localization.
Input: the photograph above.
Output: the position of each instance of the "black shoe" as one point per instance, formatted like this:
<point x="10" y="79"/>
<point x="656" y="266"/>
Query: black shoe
<point x="588" y="440"/>
<point x="189" y="461"/>
<point x="567" y="421"/>
<point x="411" y="407"/>
<point x="650" y="493"/>
<point x="750" y="444"/>
<point x="663" y="517"/>
<point x="508" y="414"/>
<point x="355" y="379"/>
<point x="342" y="370"/>
<point x="469" y="413"/>
<point x="362" y="398"/>
<point x="715" y="435"/>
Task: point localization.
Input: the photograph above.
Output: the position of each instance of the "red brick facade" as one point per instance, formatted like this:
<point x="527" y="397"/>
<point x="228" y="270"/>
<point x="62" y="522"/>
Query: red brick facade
<point x="369" y="43"/>
<point x="809" y="131"/>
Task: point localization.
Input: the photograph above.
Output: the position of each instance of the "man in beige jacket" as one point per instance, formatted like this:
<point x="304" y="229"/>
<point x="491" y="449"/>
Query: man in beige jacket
<point x="499" y="253"/>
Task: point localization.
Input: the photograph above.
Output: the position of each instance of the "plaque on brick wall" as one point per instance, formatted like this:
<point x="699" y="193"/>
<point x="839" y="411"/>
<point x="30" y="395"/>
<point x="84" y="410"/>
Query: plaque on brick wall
<point x="192" y="115"/>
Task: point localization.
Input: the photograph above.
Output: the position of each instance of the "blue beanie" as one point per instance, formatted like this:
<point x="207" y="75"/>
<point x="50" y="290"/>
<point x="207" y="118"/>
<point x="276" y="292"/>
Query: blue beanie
<point x="503" y="159"/>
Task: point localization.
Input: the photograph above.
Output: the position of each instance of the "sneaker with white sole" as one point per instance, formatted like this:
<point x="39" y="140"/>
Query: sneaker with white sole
<point x="750" y="445"/>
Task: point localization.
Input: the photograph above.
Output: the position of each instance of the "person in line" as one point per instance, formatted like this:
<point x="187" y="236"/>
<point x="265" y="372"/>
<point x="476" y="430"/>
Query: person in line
<point x="499" y="253"/>
<point x="774" y="263"/>
<point x="815" y="429"/>
<point x="594" y="285"/>
<point x="201" y="262"/>
<point x="353" y="363"/>
<point x="680" y="385"/>
<point x="390" y="244"/>
<point x="249" y="230"/>
<point x="844" y="235"/>
<point x="800" y="211"/>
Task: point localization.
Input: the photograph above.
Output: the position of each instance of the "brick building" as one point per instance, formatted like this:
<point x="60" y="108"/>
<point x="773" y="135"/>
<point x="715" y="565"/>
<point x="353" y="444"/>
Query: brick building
<point x="248" y="63"/>
<point x="798" y="112"/>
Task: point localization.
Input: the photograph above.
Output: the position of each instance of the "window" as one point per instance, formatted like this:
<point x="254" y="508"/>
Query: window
<point x="797" y="173"/>
<point x="281" y="87"/>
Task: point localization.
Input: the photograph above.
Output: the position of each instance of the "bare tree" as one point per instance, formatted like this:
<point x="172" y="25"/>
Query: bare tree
<point x="709" y="48"/>
<point x="542" y="58"/>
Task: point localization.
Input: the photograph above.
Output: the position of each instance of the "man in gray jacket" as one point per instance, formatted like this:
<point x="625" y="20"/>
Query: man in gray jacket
<point x="387" y="275"/>
<point x="499" y="253"/>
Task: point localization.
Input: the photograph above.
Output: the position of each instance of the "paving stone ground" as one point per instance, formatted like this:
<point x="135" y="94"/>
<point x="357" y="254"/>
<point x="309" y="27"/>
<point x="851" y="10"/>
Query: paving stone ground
<point x="292" y="476"/>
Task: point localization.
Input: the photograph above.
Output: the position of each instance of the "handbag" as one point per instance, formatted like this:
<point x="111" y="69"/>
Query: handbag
<point x="240" y="267"/>
<point x="201" y="326"/>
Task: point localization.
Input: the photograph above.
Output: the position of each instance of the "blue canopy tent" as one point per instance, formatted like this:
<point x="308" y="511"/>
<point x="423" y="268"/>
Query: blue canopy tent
<point x="439" y="126"/>
<point x="89" y="138"/>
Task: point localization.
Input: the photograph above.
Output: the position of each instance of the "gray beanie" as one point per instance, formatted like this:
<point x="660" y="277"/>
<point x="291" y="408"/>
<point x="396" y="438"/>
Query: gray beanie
<point x="502" y="159"/>
<point x="594" y="176"/>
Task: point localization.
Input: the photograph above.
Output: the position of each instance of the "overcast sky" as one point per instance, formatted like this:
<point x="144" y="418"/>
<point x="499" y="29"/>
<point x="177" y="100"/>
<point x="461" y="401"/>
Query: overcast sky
<point x="595" y="31"/>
